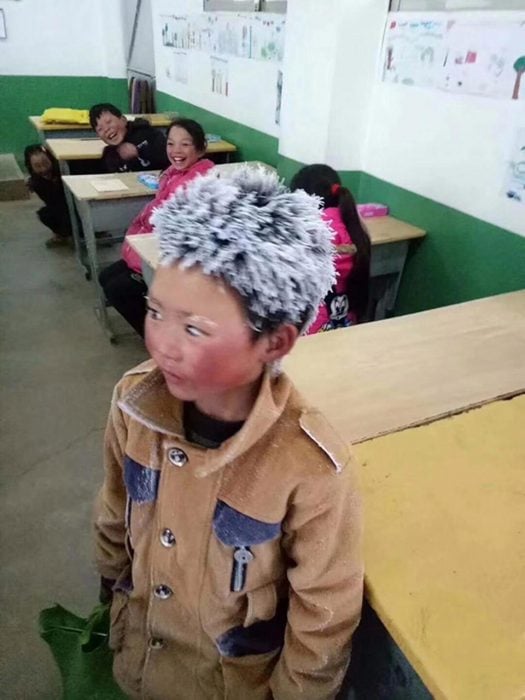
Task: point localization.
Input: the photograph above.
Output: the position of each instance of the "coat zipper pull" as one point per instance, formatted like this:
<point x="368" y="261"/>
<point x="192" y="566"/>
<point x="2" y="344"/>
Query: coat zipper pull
<point x="241" y="558"/>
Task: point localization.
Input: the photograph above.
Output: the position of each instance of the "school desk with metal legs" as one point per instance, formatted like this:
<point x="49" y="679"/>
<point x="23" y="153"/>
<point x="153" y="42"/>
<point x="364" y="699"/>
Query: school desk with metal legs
<point x="68" y="150"/>
<point x="91" y="148"/>
<point x="104" y="211"/>
<point x="390" y="240"/>
<point x="57" y="130"/>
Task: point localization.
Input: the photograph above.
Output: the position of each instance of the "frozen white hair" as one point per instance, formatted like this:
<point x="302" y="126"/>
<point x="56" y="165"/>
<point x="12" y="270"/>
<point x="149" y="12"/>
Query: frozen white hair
<point x="268" y="244"/>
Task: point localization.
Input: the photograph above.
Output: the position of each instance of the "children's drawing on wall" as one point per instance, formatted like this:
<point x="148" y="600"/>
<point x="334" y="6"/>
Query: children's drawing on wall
<point x="480" y="58"/>
<point x="279" y="96"/>
<point x="268" y="38"/>
<point x="519" y="67"/>
<point x="515" y="184"/>
<point x="414" y="52"/>
<point x="219" y="75"/>
<point x="180" y="67"/>
<point x="460" y="55"/>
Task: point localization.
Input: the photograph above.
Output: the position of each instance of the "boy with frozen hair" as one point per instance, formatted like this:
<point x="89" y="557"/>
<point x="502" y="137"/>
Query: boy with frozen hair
<point x="229" y="524"/>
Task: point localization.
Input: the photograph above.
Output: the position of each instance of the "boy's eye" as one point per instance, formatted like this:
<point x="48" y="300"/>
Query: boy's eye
<point x="194" y="331"/>
<point x="154" y="313"/>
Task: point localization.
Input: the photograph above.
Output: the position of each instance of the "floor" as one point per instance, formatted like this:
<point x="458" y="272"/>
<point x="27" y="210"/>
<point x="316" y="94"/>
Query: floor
<point x="57" y="371"/>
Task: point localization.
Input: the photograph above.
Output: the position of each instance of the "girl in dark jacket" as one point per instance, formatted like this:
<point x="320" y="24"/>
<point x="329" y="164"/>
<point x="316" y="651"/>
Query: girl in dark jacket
<point x="44" y="180"/>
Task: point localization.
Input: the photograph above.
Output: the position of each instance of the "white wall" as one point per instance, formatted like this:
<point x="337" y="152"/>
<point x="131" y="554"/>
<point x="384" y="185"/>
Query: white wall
<point x="252" y="97"/>
<point x="58" y="37"/>
<point x="447" y="147"/>
<point x="308" y="84"/>
<point x="143" y="57"/>
<point x="450" y="148"/>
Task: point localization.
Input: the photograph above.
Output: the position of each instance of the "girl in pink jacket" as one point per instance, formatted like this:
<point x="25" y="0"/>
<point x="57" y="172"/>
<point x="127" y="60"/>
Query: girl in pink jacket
<point x="122" y="281"/>
<point x="347" y="301"/>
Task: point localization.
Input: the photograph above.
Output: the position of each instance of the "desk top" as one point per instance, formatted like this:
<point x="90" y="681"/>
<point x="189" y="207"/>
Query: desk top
<point x="82" y="188"/>
<point x="386" y="229"/>
<point x="40" y="125"/>
<point x="379" y="231"/>
<point x="91" y="148"/>
<point x="444" y="548"/>
<point x="377" y="378"/>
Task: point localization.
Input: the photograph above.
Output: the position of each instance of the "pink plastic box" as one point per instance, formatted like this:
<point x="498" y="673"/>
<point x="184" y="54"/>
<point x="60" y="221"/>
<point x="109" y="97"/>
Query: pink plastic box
<point x="371" y="209"/>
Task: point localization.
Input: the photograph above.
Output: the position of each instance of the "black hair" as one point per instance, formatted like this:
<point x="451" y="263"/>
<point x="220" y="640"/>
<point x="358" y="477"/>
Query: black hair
<point x="323" y="181"/>
<point x="97" y="110"/>
<point x="38" y="148"/>
<point x="193" y="128"/>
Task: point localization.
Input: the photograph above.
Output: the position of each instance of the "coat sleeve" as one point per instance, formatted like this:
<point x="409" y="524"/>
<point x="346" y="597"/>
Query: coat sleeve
<point x="323" y="540"/>
<point x="111" y="160"/>
<point x="110" y="507"/>
<point x="156" y="151"/>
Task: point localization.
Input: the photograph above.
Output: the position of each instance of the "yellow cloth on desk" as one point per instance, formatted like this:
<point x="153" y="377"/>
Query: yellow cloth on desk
<point x="64" y="115"/>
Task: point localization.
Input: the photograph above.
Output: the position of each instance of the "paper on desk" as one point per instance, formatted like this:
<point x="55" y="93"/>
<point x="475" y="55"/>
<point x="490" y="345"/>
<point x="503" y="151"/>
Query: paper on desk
<point x="111" y="185"/>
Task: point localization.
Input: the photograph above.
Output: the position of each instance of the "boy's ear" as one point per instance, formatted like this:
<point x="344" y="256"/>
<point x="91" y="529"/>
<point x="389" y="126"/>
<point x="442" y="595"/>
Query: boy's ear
<point x="279" y="342"/>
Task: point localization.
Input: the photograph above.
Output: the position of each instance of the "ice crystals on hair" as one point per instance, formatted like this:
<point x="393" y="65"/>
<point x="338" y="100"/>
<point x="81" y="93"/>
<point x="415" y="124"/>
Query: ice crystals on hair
<point x="267" y="243"/>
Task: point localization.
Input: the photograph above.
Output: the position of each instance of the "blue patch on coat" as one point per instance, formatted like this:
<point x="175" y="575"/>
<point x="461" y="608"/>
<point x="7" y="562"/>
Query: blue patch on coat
<point x="142" y="483"/>
<point x="237" y="530"/>
<point x="259" y="638"/>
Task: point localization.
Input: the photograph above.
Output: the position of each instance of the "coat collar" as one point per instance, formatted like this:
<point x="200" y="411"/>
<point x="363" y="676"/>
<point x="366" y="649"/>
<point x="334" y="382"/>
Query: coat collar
<point x="150" y="403"/>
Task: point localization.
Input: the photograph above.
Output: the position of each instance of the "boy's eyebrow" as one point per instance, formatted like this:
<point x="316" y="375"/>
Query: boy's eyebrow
<point x="184" y="314"/>
<point x="152" y="300"/>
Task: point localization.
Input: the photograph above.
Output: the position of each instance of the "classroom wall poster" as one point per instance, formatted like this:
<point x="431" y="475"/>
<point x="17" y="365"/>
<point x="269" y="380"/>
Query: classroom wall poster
<point x="180" y="67"/>
<point x="3" y="28"/>
<point x="461" y="55"/>
<point x="515" y="181"/>
<point x="278" y="96"/>
<point x="244" y="35"/>
<point x="219" y="75"/>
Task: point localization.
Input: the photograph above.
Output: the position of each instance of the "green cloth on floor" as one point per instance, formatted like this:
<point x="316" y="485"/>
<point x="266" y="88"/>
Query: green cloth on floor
<point x="80" y="649"/>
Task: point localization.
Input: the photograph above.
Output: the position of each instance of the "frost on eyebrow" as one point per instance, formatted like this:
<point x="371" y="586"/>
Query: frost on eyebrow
<point x="201" y="320"/>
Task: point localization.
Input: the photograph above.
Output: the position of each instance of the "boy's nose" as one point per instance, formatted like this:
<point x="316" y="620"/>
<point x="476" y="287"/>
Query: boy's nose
<point x="170" y="346"/>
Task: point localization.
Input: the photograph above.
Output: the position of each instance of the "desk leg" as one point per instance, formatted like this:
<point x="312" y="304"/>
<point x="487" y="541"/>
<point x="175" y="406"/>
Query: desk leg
<point x="91" y="248"/>
<point x="386" y="267"/>
<point x="77" y="241"/>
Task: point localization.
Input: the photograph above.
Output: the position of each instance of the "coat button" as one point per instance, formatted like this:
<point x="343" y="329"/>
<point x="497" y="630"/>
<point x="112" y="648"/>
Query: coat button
<point x="162" y="591"/>
<point x="156" y="643"/>
<point x="177" y="457"/>
<point x="167" y="538"/>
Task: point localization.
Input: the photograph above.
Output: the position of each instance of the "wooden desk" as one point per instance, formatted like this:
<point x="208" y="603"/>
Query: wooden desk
<point x="445" y="547"/>
<point x="61" y="131"/>
<point x="390" y="239"/>
<point x="69" y="149"/>
<point x="66" y="150"/>
<point x="104" y="211"/>
<point x="377" y="378"/>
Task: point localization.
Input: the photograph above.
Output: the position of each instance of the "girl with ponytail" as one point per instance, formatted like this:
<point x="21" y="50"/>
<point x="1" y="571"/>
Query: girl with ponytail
<point x="347" y="301"/>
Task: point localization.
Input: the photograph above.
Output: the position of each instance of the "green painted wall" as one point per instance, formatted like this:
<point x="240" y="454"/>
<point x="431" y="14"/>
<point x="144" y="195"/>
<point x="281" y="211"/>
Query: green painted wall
<point x="288" y="167"/>
<point x="25" y="95"/>
<point x="251" y="144"/>
<point x="461" y="258"/>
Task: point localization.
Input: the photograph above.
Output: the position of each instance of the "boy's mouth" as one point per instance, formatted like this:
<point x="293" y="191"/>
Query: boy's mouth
<point x="172" y="376"/>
